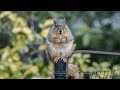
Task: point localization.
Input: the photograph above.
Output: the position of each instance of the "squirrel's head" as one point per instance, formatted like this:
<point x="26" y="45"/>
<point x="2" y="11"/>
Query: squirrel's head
<point x="59" y="25"/>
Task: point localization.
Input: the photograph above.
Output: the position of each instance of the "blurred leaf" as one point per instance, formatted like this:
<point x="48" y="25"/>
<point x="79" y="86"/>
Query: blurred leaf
<point x="86" y="40"/>
<point x="44" y="32"/>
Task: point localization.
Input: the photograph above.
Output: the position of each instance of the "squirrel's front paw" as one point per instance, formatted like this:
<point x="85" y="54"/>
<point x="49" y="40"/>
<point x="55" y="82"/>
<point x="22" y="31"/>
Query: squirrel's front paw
<point x="63" y="40"/>
<point x="57" y="40"/>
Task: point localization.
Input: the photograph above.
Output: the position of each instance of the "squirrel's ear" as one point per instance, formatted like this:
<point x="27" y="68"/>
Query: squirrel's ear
<point x="55" y="22"/>
<point x="65" y="20"/>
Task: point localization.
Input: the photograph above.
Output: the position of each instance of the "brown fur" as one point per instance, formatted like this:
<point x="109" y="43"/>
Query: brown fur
<point x="73" y="72"/>
<point x="59" y="45"/>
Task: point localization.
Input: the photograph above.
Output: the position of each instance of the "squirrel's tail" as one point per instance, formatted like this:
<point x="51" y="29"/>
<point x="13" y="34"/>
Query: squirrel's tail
<point x="73" y="72"/>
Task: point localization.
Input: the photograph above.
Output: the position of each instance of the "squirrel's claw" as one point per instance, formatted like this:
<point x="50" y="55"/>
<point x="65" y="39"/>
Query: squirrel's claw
<point x="56" y="59"/>
<point x="64" y="59"/>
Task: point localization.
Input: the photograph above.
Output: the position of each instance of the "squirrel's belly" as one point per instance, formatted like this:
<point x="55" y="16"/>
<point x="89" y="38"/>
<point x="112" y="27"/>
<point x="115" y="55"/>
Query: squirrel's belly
<point x="62" y="51"/>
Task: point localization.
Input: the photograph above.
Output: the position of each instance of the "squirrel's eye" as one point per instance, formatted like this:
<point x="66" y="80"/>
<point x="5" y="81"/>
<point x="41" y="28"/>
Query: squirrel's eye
<point x="65" y="28"/>
<point x="56" y="25"/>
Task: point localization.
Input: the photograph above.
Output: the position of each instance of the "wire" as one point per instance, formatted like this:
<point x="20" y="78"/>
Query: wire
<point x="97" y="52"/>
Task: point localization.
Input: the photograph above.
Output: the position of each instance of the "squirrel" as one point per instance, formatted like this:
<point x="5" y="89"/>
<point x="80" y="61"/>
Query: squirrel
<point x="60" y="44"/>
<point x="59" y="41"/>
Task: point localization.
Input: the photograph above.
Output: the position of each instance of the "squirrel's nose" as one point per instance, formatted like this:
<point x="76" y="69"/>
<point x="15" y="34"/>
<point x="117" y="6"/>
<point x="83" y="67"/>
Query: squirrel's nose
<point x="60" y="31"/>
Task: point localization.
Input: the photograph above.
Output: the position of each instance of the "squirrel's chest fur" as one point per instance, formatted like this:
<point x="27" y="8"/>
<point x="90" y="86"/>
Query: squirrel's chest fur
<point x="60" y="49"/>
<point x="62" y="46"/>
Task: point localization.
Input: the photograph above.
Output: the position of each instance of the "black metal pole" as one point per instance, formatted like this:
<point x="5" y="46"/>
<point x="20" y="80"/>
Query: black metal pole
<point x="61" y="70"/>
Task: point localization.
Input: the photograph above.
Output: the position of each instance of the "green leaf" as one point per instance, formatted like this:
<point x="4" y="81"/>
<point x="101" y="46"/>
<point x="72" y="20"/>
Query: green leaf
<point x="86" y="40"/>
